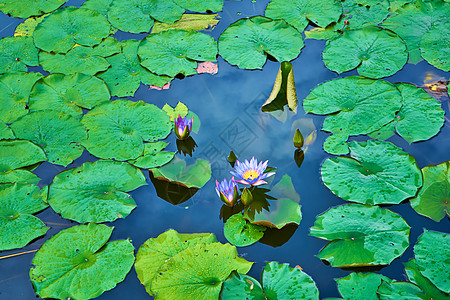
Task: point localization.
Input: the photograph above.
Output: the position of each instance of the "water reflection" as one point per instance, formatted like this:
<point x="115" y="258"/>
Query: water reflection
<point x="299" y="156"/>
<point x="187" y="146"/>
<point x="278" y="237"/>
<point x="172" y="192"/>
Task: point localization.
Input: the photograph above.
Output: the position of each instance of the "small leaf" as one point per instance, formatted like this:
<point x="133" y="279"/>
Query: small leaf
<point x="240" y="232"/>
<point x="246" y="197"/>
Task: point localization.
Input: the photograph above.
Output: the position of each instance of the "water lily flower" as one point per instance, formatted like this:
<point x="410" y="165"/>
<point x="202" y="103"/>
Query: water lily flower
<point x="251" y="173"/>
<point x="228" y="192"/>
<point x="183" y="127"/>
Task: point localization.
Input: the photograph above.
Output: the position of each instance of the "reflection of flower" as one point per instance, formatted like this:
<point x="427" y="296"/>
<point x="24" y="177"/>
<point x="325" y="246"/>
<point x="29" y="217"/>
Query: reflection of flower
<point x="183" y="127"/>
<point x="251" y="173"/>
<point x="227" y="192"/>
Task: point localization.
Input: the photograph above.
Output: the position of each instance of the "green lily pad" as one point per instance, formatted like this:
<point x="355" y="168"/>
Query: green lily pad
<point x="15" y="90"/>
<point x="95" y="192"/>
<point x="189" y="274"/>
<point x="26" y="8"/>
<point x="434" y="46"/>
<point x="247" y="42"/>
<point x="429" y="289"/>
<point x="79" y="263"/>
<point x="282" y="212"/>
<point x="153" y="157"/>
<point x="195" y="175"/>
<point x="400" y="291"/>
<point x="6" y="132"/>
<point x="118" y="129"/>
<point x="361" y="235"/>
<point x="283" y="92"/>
<point x="396" y="4"/>
<point x="189" y="22"/>
<point x="376" y="172"/>
<point x="201" y="5"/>
<point x="64" y="28"/>
<point x="298" y="13"/>
<point x="126" y="74"/>
<point x="433" y="258"/>
<point x="100" y="6"/>
<point x="239" y="286"/>
<point x="182" y="110"/>
<point x="176" y="51"/>
<point x="16" y="53"/>
<point x="154" y="253"/>
<point x="434" y="196"/>
<point x="68" y="93"/>
<point x="375" y="52"/>
<point x="57" y="133"/>
<point x="285" y="189"/>
<point x="18" y="203"/>
<point x="360" y="285"/>
<point x="240" y="232"/>
<point x="27" y="27"/>
<point x="414" y="20"/>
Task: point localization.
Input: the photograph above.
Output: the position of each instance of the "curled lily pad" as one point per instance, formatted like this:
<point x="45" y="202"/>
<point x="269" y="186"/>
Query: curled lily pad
<point x="360" y="285"/>
<point x="361" y="235"/>
<point x="376" y="172"/>
<point x="5" y="132"/>
<point x="283" y="91"/>
<point x="153" y="157"/>
<point x="429" y="289"/>
<point x="400" y="290"/>
<point x="189" y="22"/>
<point x="119" y="128"/>
<point x="25" y="8"/>
<point x="16" y="53"/>
<point x="18" y="203"/>
<point x="15" y="90"/>
<point x="247" y="42"/>
<point x="176" y="51"/>
<point x="64" y="28"/>
<point x="57" y="133"/>
<point x="375" y="52"/>
<point x="238" y="286"/>
<point x="201" y="5"/>
<point x="79" y="263"/>
<point x="434" y="46"/>
<point x="95" y="192"/>
<point x="240" y="232"/>
<point x="434" y="196"/>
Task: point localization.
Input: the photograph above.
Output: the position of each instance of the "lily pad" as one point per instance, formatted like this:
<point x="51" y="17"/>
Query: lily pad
<point x="201" y="5"/>
<point x="79" y="263"/>
<point x="15" y="90"/>
<point x="118" y="129"/>
<point x="16" y="53"/>
<point x="374" y="51"/>
<point x="126" y="74"/>
<point x="155" y="252"/>
<point x="153" y="157"/>
<point x="182" y="109"/>
<point x="434" y="46"/>
<point x="195" y="175"/>
<point x="189" y="22"/>
<point x="176" y="51"/>
<point x="400" y="290"/>
<point x="239" y="286"/>
<point x="26" y="8"/>
<point x="429" y="289"/>
<point x="240" y="232"/>
<point x="283" y="92"/>
<point x="298" y="13"/>
<point x="360" y="285"/>
<point x="5" y="132"/>
<point x="27" y="27"/>
<point x="18" y="203"/>
<point x="361" y="235"/>
<point x="434" y="196"/>
<point x="100" y="6"/>
<point x="247" y="42"/>
<point x="68" y="93"/>
<point x="376" y="172"/>
<point x="95" y="192"/>
<point x="57" y="133"/>
<point x="282" y="212"/>
<point x="64" y="28"/>
<point x="433" y="258"/>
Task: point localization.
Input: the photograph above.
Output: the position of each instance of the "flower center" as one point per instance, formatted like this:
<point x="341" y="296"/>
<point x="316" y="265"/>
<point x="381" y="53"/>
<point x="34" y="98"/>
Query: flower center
<point x="251" y="174"/>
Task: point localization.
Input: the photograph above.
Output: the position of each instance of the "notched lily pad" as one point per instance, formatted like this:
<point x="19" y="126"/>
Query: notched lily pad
<point x="153" y="156"/>
<point x="16" y="53"/>
<point x="434" y="46"/>
<point x="429" y="289"/>
<point x="240" y="232"/>
<point x="26" y="8"/>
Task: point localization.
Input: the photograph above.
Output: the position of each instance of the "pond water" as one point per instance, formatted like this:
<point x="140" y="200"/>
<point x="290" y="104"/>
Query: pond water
<point x="228" y="105"/>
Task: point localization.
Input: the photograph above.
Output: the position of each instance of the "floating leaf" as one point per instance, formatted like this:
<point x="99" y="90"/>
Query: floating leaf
<point x="434" y="46"/>
<point x="396" y="4"/>
<point x="360" y="285"/>
<point x="18" y="203"/>
<point x="26" y="8"/>
<point x="433" y="258"/>
<point x="27" y="27"/>
<point x="359" y="15"/>
<point x="118" y="129"/>
<point x="201" y="5"/>
<point x="173" y="113"/>
<point x="247" y="42"/>
<point x="64" y="28"/>
<point x="57" y="133"/>
<point x="153" y="157"/>
<point x="16" y="53"/>
<point x="100" y="6"/>
<point x="95" y="192"/>
<point x="79" y="263"/>
<point x="240" y="232"/>
<point x="298" y="13"/>
<point x="239" y="286"/>
<point x="376" y="172"/>
<point x="429" y="289"/>
<point x="189" y="22"/>
<point x="15" y="90"/>
<point x="399" y="290"/>
<point x="171" y="191"/>
<point x="283" y="91"/>
<point x="126" y="74"/>
<point x="361" y="235"/>
<point x="375" y="52"/>
<point x="5" y="132"/>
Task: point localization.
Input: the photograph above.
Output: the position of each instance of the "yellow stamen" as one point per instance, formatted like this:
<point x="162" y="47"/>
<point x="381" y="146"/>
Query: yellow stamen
<point x="250" y="174"/>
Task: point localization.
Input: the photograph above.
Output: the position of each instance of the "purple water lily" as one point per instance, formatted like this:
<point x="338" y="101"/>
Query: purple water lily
<point x="227" y="192"/>
<point x="183" y="127"/>
<point x="251" y="173"/>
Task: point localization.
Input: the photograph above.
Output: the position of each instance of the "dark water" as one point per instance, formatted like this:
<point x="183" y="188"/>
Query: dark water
<point x="228" y="105"/>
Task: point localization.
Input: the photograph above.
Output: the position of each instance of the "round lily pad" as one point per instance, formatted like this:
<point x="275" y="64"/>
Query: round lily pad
<point x="400" y="290"/>
<point x="126" y="73"/>
<point x="240" y="232"/>
<point x="239" y="286"/>
<point x="434" y="46"/>
<point x="414" y="275"/>
<point x="95" y="192"/>
<point x="79" y="263"/>
<point x="360" y="285"/>
<point x="376" y="172"/>
<point x="374" y="51"/>
<point x="201" y="5"/>
<point x="361" y="235"/>
<point x="18" y="203"/>
<point x="64" y="28"/>
<point x="359" y="15"/>
<point x="26" y="8"/>
<point x="433" y="198"/>
<point x="153" y="157"/>
<point x="247" y="42"/>
<point x="433" y="258"/>
<point x="16" y="53"/>
<point x="119" y="128"/>
<point x="68" y="93"/>
<point x="176" y="51"/>
<point x="100" y="6"/>
<point x="15" y="90"/>
<point x="298" y="13"/>
<point x="5" y="132"/>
